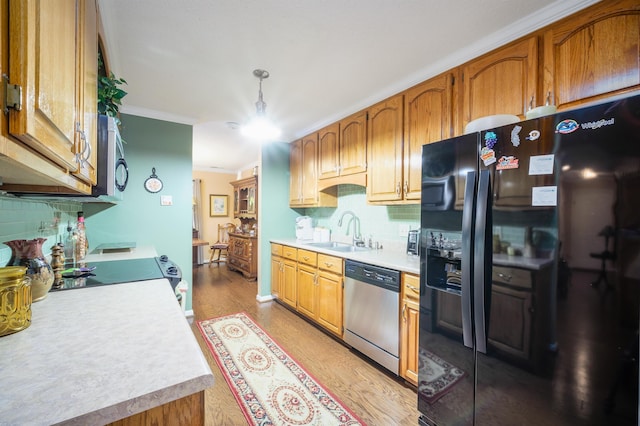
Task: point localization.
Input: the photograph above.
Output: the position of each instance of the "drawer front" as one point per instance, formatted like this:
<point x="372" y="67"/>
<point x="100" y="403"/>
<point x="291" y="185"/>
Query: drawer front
<point x="411" y="287"/>
<point x="514" y="277"/>
<point x="276" y="249"/>
<point x="290" y="253"/>
<point x="330" y="263"/>
<point x="307" y="257"/>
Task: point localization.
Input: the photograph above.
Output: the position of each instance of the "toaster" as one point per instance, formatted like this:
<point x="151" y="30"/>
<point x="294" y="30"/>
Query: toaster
<point x="413" y="242"/>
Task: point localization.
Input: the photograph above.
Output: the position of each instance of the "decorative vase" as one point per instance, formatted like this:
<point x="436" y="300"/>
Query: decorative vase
<point x="29" y="253"/>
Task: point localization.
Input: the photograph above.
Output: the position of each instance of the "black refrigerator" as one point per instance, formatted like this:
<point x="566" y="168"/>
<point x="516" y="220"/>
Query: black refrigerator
<point x="530" y="272"/>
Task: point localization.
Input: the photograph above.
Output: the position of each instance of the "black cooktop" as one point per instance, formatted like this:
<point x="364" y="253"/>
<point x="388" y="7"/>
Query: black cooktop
<point x="123" y="271"/>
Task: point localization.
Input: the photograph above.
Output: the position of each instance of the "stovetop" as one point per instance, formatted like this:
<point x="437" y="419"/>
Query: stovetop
<point x="123" y="271"/>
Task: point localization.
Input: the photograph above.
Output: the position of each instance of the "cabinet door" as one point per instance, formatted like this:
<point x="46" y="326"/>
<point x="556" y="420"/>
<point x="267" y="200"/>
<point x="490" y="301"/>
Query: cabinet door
<point x="87" y="96"/>
<point x="289" y="287"/>
<point x="43" y="61"/>
<point x="295" y="171"/>
<point x="329" y="309"/>
<point x="593" y="54"/>
<point x="384" y="141"/>
<point x="428" y="115"/>
<point x="502" y="82"/>
<point x="307" y="284"/>
<point x="309" y="170"/>
<point x="328" y="151"/>
<point x="353" y="144"/>
<point x="510" y="321"/>
<point x="410" y="329"/>
<point x="276" y="276"/>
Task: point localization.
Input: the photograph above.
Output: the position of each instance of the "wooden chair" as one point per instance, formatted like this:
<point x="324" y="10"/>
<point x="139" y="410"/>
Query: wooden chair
<point x="222" y="245"/>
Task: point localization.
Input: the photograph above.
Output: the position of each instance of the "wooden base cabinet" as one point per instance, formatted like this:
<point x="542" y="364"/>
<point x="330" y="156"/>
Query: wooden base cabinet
<point x="309" y="282"/>
<point x="410" y="327"/>
<point x="243" y="255"/>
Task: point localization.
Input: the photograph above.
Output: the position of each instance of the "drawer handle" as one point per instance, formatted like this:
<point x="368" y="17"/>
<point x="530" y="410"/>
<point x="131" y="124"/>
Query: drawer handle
<point x="505" y="277"/>
<point x="415" y="289"/>
<point x="328" y="264"/>
<point x="305" y="257"/>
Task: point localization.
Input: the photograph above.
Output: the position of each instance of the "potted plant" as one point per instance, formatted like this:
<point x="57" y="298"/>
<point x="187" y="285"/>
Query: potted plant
<point x="109" y="92"/>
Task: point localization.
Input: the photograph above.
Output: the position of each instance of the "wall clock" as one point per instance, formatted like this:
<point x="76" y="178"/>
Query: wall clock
<point x="153" y="183"/>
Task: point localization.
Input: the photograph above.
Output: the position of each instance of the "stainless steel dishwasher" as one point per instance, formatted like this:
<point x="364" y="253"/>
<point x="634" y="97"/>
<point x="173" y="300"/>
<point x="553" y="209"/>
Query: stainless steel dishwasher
<point x="371" y="312"/>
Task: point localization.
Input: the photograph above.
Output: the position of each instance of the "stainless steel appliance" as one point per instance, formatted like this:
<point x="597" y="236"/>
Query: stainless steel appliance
<point x="113" y="172"/>
<point x="371" y="312"/>
<point x="514" y="313"/>
<point x="412" y="242"/>
<point x="123" y="271"/>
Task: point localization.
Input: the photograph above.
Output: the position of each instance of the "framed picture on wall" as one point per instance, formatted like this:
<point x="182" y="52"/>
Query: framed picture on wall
<point x="218" y="205"/>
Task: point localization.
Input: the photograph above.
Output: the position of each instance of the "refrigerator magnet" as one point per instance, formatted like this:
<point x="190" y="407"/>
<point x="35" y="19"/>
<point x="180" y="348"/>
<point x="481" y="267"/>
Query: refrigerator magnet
<point x="507" y="162"/>
<point x="488" y="156"/>
<point x="533" y="135"/>
<point x="490" y="139"/>
<point x="515" y="135"/>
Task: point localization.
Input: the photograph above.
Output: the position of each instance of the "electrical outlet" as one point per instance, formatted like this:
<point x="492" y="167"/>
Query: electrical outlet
<point x="403" y="229"/>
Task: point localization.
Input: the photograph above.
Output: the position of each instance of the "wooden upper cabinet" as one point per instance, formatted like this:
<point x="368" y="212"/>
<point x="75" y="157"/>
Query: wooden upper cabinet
<point x="384" y="180"/>
<point x="303" y="167"/>
<point x="309" y="167"/>
<point x="504" y="81"/>
<point x="353" y="144"/>
<point x="87" y="96"/>
<point x="47" y="46"/>
<point x="428" y="117"/>
<point x="593" y="54"/>
<point x="329" y="151"/>
<point x="295" y="172"/>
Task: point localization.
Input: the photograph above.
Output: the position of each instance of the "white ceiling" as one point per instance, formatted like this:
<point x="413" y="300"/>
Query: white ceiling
<point x="192" y="61"/>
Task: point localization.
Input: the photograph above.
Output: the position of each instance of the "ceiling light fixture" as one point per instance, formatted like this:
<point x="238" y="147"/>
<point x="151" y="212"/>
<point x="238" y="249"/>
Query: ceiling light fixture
<point x="260" y="127"/>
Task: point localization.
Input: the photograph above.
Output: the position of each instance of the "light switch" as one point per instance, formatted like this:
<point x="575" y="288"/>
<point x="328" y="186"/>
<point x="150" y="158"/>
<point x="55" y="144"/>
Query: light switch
<point x="166" y="200"/>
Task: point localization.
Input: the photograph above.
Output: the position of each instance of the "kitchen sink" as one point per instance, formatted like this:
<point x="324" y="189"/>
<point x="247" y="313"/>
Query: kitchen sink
<point x="339" y="247"/>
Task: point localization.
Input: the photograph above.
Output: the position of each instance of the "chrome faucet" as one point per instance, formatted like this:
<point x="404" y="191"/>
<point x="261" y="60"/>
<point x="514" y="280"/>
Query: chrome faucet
<point x="357" y="238"/>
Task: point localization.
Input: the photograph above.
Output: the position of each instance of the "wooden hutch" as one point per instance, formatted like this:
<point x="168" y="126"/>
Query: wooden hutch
<point x="243" y="244"/>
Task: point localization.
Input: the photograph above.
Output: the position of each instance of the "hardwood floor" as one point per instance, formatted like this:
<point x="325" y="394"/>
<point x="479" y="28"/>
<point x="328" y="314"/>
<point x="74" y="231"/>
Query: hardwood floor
<point x="377" y="397"/>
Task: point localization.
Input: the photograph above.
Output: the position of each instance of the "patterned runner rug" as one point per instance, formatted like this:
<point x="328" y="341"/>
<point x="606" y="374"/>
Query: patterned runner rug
<point x="436" y="376"/>
<point x="269" y="385"/>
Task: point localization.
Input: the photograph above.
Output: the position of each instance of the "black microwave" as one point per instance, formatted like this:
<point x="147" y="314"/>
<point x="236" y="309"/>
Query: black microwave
<point x="438" y="193"/>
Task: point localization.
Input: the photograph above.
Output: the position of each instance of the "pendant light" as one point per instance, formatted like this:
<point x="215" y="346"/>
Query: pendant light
<point x="260" y="127"/>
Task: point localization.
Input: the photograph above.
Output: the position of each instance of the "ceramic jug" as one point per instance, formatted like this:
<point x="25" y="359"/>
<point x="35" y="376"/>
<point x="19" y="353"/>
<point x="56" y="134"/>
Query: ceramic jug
<point x="29" y="253"/>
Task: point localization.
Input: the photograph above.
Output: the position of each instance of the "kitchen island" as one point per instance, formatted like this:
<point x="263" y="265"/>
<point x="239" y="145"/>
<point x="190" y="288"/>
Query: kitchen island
<point x="102" y="354"/>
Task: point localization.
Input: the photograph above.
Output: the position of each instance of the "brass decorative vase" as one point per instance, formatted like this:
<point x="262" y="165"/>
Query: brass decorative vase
<point x="29" y="253"/>
<point x="15" y="300"/>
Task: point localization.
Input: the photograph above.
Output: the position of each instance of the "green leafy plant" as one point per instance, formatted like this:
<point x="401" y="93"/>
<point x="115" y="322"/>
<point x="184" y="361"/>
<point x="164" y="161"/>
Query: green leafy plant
<point x="109" y="93"/>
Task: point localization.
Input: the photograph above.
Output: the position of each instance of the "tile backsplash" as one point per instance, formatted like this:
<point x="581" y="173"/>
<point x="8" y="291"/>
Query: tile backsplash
<point x="25" y="219"/>
<point x="386" y="224"/>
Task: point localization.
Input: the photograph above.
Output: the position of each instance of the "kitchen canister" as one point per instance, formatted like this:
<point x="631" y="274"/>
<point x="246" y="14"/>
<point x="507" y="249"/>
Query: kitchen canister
<point x="29" y="253"/>
<point x="15" y="299"/>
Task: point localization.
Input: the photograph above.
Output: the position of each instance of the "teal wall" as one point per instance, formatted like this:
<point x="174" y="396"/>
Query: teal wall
<point x="139" y="217"/>
<point x="276" y="219"/>
<point x="26" y="219"/>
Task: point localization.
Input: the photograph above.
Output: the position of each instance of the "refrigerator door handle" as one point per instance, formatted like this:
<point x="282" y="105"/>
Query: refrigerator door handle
<point x="466" y="261"/>
<point x="483" y="259"/>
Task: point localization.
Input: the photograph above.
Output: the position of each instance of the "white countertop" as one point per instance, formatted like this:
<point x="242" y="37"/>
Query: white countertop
<point x="96" y="355"/>
<point x="386" y="258"/>
<point x="406" y="263"/>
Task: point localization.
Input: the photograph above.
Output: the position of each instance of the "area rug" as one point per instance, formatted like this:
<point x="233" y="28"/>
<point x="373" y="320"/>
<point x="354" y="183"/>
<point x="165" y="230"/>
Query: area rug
<point x="269" y="385"/>
<point x="436" y="376"/>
